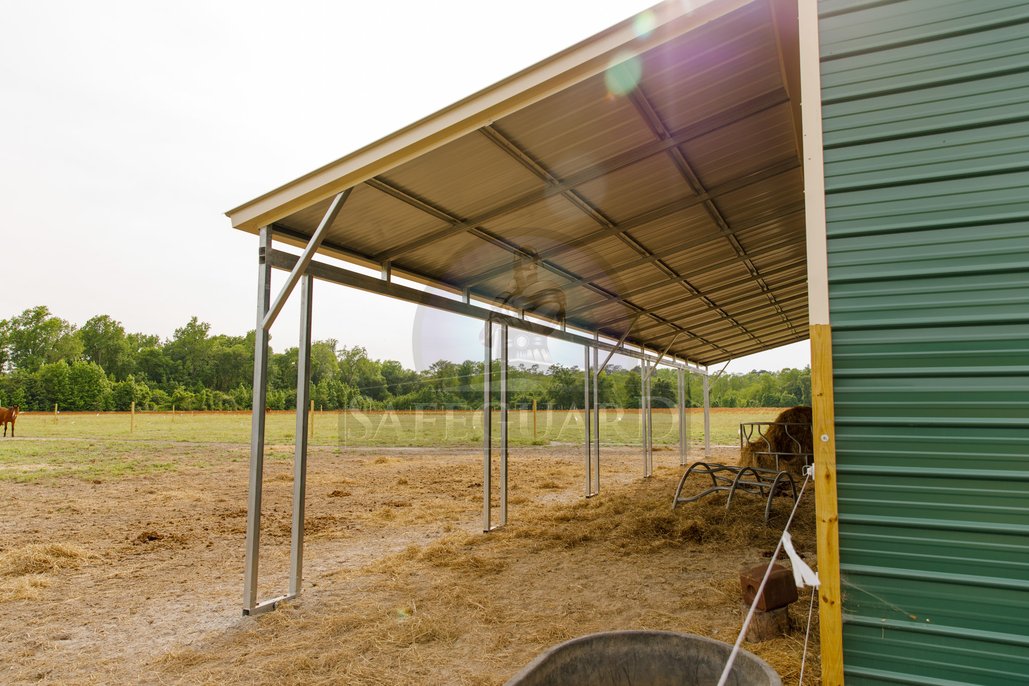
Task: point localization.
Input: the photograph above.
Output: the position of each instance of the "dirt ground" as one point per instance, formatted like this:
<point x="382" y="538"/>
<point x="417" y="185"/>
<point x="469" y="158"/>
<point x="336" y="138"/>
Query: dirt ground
<point x="138" y="579"/>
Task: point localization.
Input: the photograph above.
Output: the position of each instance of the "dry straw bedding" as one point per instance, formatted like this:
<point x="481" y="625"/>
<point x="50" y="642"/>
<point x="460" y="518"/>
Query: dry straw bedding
<point x="471" y="609"/>
<point x="400" y="588"/>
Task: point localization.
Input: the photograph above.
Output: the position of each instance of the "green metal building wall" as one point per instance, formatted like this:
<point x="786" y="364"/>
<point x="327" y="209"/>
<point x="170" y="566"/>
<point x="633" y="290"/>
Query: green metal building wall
<point x="926" y="138"/>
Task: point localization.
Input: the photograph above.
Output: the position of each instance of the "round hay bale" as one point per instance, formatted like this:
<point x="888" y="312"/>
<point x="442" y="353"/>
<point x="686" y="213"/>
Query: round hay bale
<point x="789" y="435"/>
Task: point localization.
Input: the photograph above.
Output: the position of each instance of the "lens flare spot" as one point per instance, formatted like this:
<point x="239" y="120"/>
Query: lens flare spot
<point x="623" y="74"/>
<point x="644" y="24"/>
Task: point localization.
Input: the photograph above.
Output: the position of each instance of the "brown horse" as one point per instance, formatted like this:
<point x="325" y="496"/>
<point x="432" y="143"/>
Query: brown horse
<point x="9" y="414"/>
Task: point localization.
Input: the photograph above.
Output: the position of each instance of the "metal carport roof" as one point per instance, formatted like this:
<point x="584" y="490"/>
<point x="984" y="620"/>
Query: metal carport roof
<point x="648" y="180"/>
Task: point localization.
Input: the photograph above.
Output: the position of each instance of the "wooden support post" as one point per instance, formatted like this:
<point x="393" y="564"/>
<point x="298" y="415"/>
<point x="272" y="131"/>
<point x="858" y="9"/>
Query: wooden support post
<point x="55" y="413"/>
<point x="132" y="417"/>
<point x="311" y="420"/>
<point x="830" y="611"/>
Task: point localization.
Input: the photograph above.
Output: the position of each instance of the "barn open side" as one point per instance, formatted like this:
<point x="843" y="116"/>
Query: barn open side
<point x="641" y="192"/>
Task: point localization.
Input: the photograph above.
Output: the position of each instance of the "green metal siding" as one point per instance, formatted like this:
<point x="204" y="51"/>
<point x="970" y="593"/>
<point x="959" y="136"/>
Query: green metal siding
<point x="926" y="137"/>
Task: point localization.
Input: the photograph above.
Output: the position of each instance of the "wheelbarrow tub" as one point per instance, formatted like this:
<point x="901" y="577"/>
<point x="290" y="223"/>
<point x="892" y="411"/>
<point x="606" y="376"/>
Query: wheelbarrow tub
<point x="643" y="658"/>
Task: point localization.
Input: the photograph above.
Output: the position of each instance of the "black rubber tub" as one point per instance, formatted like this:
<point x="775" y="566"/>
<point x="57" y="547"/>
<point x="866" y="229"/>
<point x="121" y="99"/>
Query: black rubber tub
<point x="643" y="658"/>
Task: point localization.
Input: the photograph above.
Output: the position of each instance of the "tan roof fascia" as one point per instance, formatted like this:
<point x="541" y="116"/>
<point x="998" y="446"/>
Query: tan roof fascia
<point x="569" y="67"/>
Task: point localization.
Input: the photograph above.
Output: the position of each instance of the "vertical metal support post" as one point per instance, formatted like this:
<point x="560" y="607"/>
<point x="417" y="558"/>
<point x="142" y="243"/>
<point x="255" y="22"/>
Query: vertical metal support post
<point x="707" y="414"/>
<point x="487" y="427"/>
<point x="296" y="547"/>
<point x="643" y="411"/>
<point x="253" y="537"/>
<point x="596" y="420"/>
<point x="683" y="433"/>
<point x="503" y="424"/>
<point x="650" y="421"/>
<point x="587" y="442"/>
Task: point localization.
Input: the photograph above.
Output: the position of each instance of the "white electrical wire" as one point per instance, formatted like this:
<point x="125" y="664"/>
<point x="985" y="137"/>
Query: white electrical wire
<point x="807" y="635"/>
<point x="757" y="596"/>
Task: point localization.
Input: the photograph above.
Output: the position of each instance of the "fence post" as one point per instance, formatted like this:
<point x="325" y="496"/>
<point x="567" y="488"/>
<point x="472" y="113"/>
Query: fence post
<point x="55" y="413"/>
<point x="533" y="420"/>
<point x="311" y="420"/>
<point x="132" y="417"/>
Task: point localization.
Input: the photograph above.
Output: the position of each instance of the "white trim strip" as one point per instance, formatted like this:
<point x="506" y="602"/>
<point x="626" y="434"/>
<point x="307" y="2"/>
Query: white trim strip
<point x="814" y="173"/>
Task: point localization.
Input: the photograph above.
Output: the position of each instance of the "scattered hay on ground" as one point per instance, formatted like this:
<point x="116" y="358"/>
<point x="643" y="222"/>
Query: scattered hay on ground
<point x="24" y="571"/>
<point x="468" y="608"/>
<point x="41" y="558"/>
<point x="26" y="587"/>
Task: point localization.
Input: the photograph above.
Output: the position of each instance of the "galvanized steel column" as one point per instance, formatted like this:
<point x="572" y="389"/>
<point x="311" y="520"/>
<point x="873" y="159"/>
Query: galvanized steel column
<point x="503" y="424"/>
<point x="650" y="421"/>
<point x="707" y="414"/>
<point x="587" y="443"/>
<point x="257" y="423"/>
<point x="487" y="434"/>
<point x="596" y="420"/>
<point x="296" y="549"/>
<point x="643" y="411"/>
<point x="683" y="434"/>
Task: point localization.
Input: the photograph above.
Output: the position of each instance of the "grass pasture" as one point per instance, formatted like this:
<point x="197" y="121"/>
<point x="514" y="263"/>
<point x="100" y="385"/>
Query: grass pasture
<point x="356" y="428"/>
<point x="121" y="555"/>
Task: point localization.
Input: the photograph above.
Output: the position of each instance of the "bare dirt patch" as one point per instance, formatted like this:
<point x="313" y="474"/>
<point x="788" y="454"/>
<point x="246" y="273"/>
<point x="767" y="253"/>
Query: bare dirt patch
<point x="138" y="579"/>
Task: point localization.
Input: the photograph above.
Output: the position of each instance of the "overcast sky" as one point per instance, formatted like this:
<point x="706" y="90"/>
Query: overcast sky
<point x="127" y="129"/>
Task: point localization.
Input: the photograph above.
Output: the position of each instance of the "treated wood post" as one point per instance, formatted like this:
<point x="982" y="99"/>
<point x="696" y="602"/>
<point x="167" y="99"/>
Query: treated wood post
<point x="55" y="413"/>
<point x="311" y="420"/>
<point x="132" y="417"/>
<point x="533" y="420"/>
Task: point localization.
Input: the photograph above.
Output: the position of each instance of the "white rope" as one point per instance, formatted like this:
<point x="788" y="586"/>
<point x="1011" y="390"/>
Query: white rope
<point x="757" y="596"/>
<point x="807" y="635"/>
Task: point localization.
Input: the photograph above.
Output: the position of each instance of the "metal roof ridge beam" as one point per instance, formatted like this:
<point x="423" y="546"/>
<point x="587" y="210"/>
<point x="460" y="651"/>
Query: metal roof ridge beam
<point x="286" y="261"/>
<point x="614" y="163"/>
<point x="306" y="257"/>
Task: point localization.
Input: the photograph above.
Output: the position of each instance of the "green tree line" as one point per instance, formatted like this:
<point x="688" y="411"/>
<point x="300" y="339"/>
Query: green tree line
<point x="45" y="360"/>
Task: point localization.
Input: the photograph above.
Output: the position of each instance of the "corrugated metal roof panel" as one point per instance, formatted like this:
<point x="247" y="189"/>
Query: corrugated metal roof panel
<point x="594" y="189"/>
<point x="370" y="215"/>
<point x="479" y="177"/>
<point x="462" y="254"/>
<point x="544" y="225"/>
<point x="928" y="232"/>
<point x="716" y="157"/>
<point x="572" y="130"/>
<point x="637" y="189"/>
<point x="693" y="79"/>
<point x="780" y="191"/>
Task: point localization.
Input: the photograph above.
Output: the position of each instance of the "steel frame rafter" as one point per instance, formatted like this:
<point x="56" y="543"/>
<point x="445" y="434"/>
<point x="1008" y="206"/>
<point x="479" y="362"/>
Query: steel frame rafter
<point x="678" y="302"/>
<point x="653" y="120"/>
<point x="685" y="247"/>
<point x="282" y="260"/>
<point x="535" y="167"/>
<point x="439" y="212"/>
<point x="667" y="210"/>
<point x="756" y="105"/>
<point x="643" y="290"/>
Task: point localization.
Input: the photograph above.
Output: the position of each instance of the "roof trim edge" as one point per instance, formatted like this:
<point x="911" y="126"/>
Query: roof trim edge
<point x="567" y="68"/>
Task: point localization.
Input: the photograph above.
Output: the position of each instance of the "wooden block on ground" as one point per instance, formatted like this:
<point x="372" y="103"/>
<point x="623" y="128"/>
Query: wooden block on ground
<point x="767" y="625"/>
